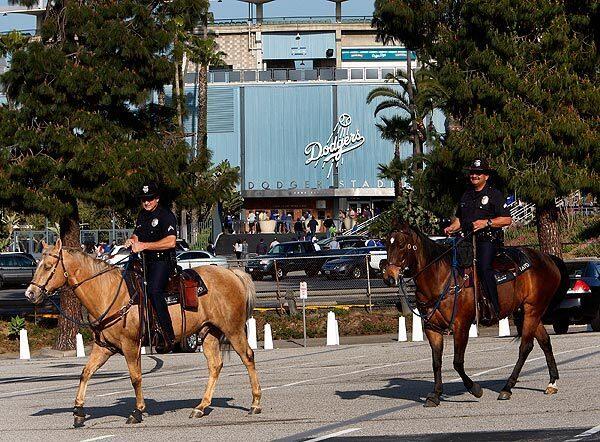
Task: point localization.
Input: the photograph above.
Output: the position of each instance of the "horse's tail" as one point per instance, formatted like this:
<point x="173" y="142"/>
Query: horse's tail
<point x="563" y="287"/>
<point x="250" y="290"/>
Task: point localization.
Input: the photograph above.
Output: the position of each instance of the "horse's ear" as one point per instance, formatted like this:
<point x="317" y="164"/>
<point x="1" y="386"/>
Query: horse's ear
<point x="58" y="244"/>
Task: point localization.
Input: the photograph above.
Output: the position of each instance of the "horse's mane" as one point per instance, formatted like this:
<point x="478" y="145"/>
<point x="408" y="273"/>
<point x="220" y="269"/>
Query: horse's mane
<point x="96" y="265"/>
<point x="432" y="249"/>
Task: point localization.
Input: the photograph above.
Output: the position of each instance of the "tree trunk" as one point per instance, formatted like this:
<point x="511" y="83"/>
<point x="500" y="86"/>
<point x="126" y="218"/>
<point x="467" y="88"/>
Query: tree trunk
<point x="398" y="180"/>
<point x="202" y="135"/>
<point x="177" y="97"/>
<point x="548" y="229"/>
<point x="69" y="304"/>
<point x="417" y="151"/>
<point x="194" y="228"/>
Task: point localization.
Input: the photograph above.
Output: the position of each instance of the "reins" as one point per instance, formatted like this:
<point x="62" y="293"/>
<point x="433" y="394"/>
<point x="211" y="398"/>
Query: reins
<point x="102" y="321"/>
<point x="436" y="305"/>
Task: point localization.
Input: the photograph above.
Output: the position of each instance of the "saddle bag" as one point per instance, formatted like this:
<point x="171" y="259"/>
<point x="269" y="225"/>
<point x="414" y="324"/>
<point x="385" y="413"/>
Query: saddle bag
<point x="192" y="286"/>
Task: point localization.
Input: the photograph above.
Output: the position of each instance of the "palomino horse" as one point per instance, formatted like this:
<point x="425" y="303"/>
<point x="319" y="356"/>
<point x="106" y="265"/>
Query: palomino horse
<point x="222" y="312"/>
<point x="412" y="253"/>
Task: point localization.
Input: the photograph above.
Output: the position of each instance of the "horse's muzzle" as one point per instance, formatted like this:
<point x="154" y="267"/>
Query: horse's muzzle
<point x="390" y="281"/>
<point x="34" y="294"/>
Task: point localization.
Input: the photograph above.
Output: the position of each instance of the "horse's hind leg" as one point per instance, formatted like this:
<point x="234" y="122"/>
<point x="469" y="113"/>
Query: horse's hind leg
<point x="461" y="338"/>
<point x="241" y="347"/>
<point x="98" y="357"/>
<point x="530" y="326"/>
<point x="541" y="335"/>
<point x="436" y="342"/>
<point x="212" y="352"/>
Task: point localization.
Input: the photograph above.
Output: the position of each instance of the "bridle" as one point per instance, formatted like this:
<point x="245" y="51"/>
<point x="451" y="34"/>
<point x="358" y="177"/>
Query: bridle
<point x="435" y="305"/>
<point x="102" y="321"/>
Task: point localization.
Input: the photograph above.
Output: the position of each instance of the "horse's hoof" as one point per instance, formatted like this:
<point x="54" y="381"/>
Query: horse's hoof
<point x="255" y="410"/>
<point x="78" y="421"/>
<point x="476" y="390"/>
<point x="504" y="395"/>
<point x="551" y="389"/>
<point x="432" y="400"/>
<point x="135" y="417"/>
<point x="196" y="412"/>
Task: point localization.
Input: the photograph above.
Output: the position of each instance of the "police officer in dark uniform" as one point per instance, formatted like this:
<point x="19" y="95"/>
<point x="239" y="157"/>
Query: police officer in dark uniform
<point x="482" y="210"/>
<point x="155" y="236"/>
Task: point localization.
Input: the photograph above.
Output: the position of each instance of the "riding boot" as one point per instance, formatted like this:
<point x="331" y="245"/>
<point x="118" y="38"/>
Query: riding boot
<point x="167" y="336"/>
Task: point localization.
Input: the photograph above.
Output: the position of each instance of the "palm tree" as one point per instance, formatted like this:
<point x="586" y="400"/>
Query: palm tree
<point x="427" y="94"/>
<point x="398" y="130"/>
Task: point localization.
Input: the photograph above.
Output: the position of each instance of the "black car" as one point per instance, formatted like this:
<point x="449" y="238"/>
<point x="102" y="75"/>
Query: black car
<point x="16" y="268"/>
<point x="352" y="265"/>
<point x="582" y="302"/>
<point x="280" y="260"/>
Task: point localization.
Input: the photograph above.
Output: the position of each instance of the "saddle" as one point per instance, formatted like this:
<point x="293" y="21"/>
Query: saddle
<point x="184" y="288"/>
<point x="509" y="263"/>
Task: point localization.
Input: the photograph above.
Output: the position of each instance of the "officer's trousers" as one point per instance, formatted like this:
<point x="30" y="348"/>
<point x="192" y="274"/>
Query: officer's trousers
<point x="486" y="251"/>
<point x="157" y="277"/>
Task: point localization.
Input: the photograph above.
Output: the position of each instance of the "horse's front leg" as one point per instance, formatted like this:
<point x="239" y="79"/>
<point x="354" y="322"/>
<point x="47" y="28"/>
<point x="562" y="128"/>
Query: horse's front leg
<point x="436" y="341"/>
<point x="134" y="364"/>
<point x="461" y="337"/>
<point x="98" y="357"/>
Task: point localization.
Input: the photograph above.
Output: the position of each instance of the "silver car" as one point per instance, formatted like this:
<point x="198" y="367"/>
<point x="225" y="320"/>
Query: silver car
<point x="197" y="258"/>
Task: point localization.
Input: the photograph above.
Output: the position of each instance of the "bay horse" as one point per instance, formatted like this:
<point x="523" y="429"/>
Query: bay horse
<point x="413" y="254"/>
<point x="222" y="313"/>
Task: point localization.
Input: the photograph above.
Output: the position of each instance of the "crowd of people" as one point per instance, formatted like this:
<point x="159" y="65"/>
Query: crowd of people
<point x="306" y="224"/>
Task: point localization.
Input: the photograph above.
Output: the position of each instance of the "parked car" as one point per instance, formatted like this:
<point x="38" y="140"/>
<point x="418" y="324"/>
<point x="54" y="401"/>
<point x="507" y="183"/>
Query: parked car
<point x="196" y="258"/>
<point x="16" y="268"/>
<point x="352" y="265"/>
<point x="582" y="301"/>
<point x="279" y="260"/>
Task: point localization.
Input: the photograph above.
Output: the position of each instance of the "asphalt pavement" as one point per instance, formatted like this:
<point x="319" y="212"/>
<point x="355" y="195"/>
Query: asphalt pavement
<point x="354" y="392"/>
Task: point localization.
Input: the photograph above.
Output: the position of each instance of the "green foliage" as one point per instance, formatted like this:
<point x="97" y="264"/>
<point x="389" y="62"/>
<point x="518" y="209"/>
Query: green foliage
<point x="405" y="209"/>
<point x="16" y="325"/>
<point x="522" y="81"/>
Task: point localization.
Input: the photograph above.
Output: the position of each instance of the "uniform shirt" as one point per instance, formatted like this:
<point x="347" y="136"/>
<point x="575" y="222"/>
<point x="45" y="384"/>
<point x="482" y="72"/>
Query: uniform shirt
<point x="156" y="225"/>
<point x="486" y="204"/>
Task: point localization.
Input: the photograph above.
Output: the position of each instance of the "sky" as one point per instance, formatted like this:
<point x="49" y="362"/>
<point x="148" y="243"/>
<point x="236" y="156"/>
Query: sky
<point x="235" y="9"/>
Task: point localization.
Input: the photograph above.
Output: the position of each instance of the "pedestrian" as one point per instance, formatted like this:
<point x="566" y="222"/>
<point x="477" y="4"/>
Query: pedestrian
<point x="155" y="235"/>
<point x="252" y="222"/>
<point x="312" y="227"/>
<point x="237" y="248"/>
<point x="245" y="250"/>
<point x="328" y="223"/>
<point x="334" y="244"/>
<point x="298" y="227"/>
<point x="352" y="215"/>
<point x="342" y="218"/>
<point x="273" y="243"/>
<point x="288" y="222"/>
<point x="261" y="247"/>
<point x="482" y="212"/>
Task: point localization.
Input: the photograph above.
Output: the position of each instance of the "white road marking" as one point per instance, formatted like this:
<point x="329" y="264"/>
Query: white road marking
<point x="585" y="434"/>
<point x="332" y="435"/>
<point x="98" y="438"/>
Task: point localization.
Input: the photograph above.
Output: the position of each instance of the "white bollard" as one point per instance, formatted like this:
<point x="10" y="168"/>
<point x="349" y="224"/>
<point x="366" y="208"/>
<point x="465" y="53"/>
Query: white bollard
<point x="417" y="328"/>
<point x="143" y="350"/>
<point x="80" y="348"/>
<point x="268" y="337"/>
<point x="337" y="333"/>
<point x="473" y="331"/>
<point x="331" y="329"/>
<point x="504" y="328"/>
<point x="252" y="341"/>
<point x="589" y="328"/>
<point x="23" y="345"/>
<point x="402" y="329"/>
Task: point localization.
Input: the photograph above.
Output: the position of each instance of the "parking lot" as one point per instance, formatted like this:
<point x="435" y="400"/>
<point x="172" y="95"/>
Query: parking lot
<point x="362" y="391"/>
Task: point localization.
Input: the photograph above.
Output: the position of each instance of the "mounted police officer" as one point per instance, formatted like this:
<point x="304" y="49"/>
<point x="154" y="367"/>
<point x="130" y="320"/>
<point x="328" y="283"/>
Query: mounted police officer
<point x="482" y="211"/>
<point x="155" y="236"/>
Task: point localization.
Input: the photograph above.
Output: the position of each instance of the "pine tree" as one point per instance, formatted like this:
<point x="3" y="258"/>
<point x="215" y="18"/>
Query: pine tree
<point x="522" y="81"/>
<point x="82" y="129"/>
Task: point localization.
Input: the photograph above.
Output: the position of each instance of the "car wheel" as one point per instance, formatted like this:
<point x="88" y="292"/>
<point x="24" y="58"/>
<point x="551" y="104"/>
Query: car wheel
<point x="561" y="324"/>
<point x="257" y="277"/>
<point x="312" y="272"/>
<point x="190" y="344"/>
<point x="595" y="324"/>
<point x="357" y="272"/>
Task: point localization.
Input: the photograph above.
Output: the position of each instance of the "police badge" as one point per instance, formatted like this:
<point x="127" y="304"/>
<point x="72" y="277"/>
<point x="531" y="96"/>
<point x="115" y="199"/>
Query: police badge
<point x="485" y="200"/>
<point x="154" y="222"/>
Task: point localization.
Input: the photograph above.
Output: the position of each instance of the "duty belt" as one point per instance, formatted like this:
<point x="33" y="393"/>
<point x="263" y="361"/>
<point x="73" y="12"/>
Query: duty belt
<point x="159" y="256"/>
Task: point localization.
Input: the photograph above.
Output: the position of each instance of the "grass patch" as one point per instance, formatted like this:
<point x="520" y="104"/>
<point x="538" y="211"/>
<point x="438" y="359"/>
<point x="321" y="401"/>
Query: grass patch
<point x="42" y="334"/>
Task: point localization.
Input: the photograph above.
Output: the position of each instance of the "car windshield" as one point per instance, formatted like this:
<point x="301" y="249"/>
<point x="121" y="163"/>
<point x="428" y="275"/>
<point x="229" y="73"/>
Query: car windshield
<point x="276" y="249"/>
<point x="576" y="268"/>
